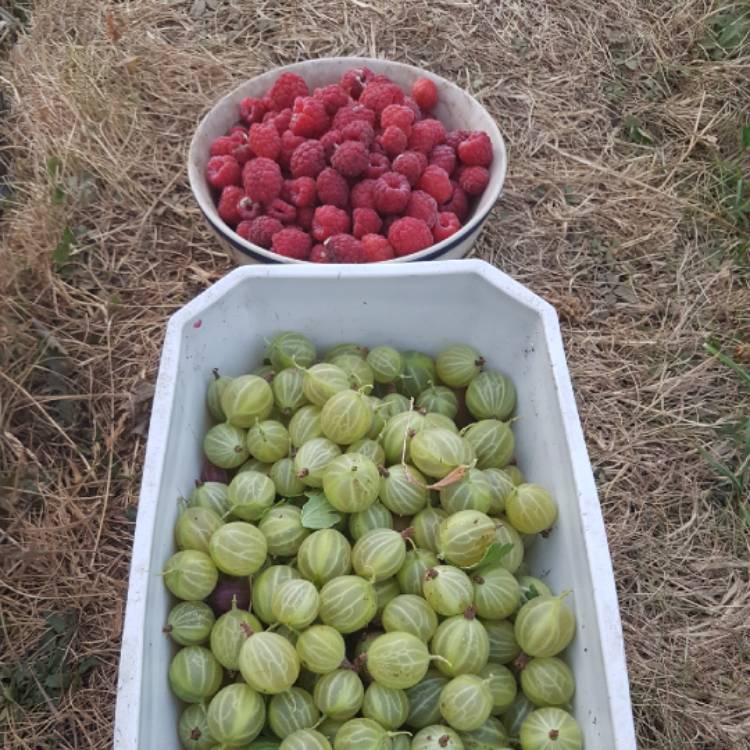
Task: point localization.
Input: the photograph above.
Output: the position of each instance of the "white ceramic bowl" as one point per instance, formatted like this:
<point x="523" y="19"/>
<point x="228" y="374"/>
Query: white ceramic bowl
<point x="456" y="108"/>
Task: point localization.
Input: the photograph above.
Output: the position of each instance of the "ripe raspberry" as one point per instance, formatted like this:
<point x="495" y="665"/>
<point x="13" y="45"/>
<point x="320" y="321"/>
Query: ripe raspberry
<point x="223" y="146"/>
<point x="366" y="221"/>
<point x="455" y="137"/>
<point x="380" y="78"/>
<point x="425" y="135"/>
<point x="476" y="150"/>
<point x="422" y="206"/>
<point x="332" y="188"/>
<point x="320" y="254"/>
<point x="286" y="88"/>
<point x="238" y="132"/>
<point x="391" y="193"/>
<point x="473" y="179"/>
<point x="409" y="235"/>
<point x="285" y="212"/>
<point x="393" y="140"/>
<point x="330" y="140"/>
<point x="333" y="97"/>
<point x="248" y="210"/>
<point x="398" y="115"/>
<point x="252" y="110"/>
<point x="345" y="249"/>
<point x="299" y="192"/>
<point x="305" y="217"/>
<point x="411" y="164"/>
<point x="329" y="220"/>
<point x="292" y="243"/>
<point x="358" y="130"/>
<point x="446" y="225"/>
<point x="363" y="194"/>
<point x="289" y="143"/>
<point x="222" y="171"/>
<point x="414" y="107"/>
<point x="443" y="156"/>
<point x="262" y="180"/>
<point x="228" y="201"/>
<point x="377" y="96"/>
<point x="282" y="120"/>
<point x="309" y="117"/>
<point x="350" y="113"/>
<point x="265" y="140"/>
<point x="425" y="93"/>
<point x="351" y="158"/>
<point x="243" y="229"/>
<point x="379" y="165"/>
<point x="435" y="181"/>
<point x="263" y="229"/>
<point x="458" y="204"/>
<point x="388" y="222"/>
<point x="243" y="153"/>
<point x="354" y="80"/>
<point x="308" y="159"/>
<point x="377" y="248"/>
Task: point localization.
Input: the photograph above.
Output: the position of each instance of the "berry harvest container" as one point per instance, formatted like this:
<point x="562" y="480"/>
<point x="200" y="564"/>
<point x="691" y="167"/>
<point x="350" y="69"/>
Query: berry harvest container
<point x="425" y="306"/>
<point x="456" y="108"/>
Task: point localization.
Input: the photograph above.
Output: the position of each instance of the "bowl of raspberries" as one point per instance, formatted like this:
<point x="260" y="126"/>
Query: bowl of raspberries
<point x="347" y="160"/>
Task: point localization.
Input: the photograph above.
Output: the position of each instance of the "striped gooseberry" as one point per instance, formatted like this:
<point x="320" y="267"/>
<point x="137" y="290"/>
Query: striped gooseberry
<point x="493" y="443"/>
<point x="194" y="674"/>
<point x="470" y="492"/>
<point x="514" y="717"/>
<point x="426" y="525"/>
<point x="463" y="644"/>
<point x="245" y="400"/>
<point x="347" y="603"/>
<point x="238" y="548"/>
<point x="416" y="563"/>
<point x="394" y="403"/>
<point x="490" y="736"/>
<point x="192" y="728"/>
<point x="236" y="715"/>
<point x="305" y="425"/>
<point x="190" y="623"/>
<point x="324" y="555"/>
<point x="491" y="395"/>
<point x="283" y="530"/>
<point x="464" y="537"/>
<point x="213" y="395"/>
<point x="339" y="694"/>
<point x="530" y="509"/>
<point x="437" y="737"/>
<point x="378" y="554"/>
<point x="386" y="363"/>
<point x="264" y="586"/>
<point x="290" y="349"/>
<point x="190" y="575"/>
<point x="377" y="516"/>
<point x="500" y="487"/>
<point x="346" y="348"/>
<point x="418" y="373"/>
<point x="531" y="588"/>
<point x="322" y="381"/>
<point x="548" y="681"/>
<point x="496" y="593"/>
<point x="313" y="458"/>
<point x="288" y="391"/>
<point x="408" y="613"/>
<point x="229" y="633"/>
<point x="398" y="660"/>
<point x="370" y="448"/>
<point x="424" y="700"/>
<point x="346" y="417"/>
<point x="502" y="685"/>
<point x="438" y="451"/>
<point x="211" y="495"/>
<point x="194" y="528"/>
<point x="403" y="489"/>
<point x="321" y="649"/>
<point x="269" y="663"/>
<point x="268" y="441"/>
<point x="504" y="647"/>
<point x="447" y="589"/>
<point x="285" y="479"/>
<point x="357" y="370"/>
<point x="296" y="604"/>
<point x="290" y="711"/>
<point x="458" y="365"/>
<point x="387" y="706"/>
<point x="545" y="626"/>
<point x="398" y="433"/>
<point x="550" y="729"/>
<point x="224" y="446"/>
<point x="466" y="702"/>
<point x="440" y="400"/>
<point x="351" y="482"/>
<point x="250" y="495"/>
<point x="385" y="592"/>
<point x="506" y="534"/>
<point x="305" y="739"/>
<point x="515" y="474"/>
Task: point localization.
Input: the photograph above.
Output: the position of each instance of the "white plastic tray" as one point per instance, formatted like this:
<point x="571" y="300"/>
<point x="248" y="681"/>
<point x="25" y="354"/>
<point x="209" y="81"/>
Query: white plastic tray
<point x="416" y="306"/>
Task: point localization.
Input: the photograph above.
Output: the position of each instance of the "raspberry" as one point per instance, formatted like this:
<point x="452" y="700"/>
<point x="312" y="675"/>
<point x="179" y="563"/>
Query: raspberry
<point x="289" y="143"/>
<point x="414" y="107"/>
<point x="333" y="97"/>
<point x="393" y="140"/>
<point x="308" y="159"/>
<point x="425" y="93"/>
<point x="222" y="171"/>
<point x="332" y="188"/>
<point x="282" y="120"/>
<point x="443" y="156"/>
<point x="292" y="243"/>
<point x="299" y="192"/>
<point x="358" y="130"/>
<point x="398" y="115"/>
<point x="228" y="201"/>
<point x="366" y="221"/>
<point x="243" y="229"/>
<point x="426" y="134"/>
<point x="262" y="179"/>
<point x="248" y="210"/>
<point x="458" y="204"/>
<point x="351" y="158"/>
<point x="238" y="132"/>
<point x="473" y="179"/>
<point x="329" y="220"/>
<point x="243" y="153"/>
<point x="305" y="217"/>
<point x="377" y="248"/>
<point x="380" y="78"/>
<point x="437" y="183"/>
<point x="379" y="165"/>
<point x="223" y="146"/>
<point x="263" y="229"/>
<point x="454" y="137"/>
<point x="320" y="254"/>
<point x="476" y="150"/>
<point x="391" y="193"/>
<point x="350" y="113"/>
<point x="265" y="140"/>
<point x="388" y="222"/>
<point x="409" y="235"/>
<point x="285" y="212"/>
<point x="354" y="80"/>
<point x="446" y="225"/>
<point x="363" y="194"/>
<point x="286" y="88"/>
<point x="377" y="96"/>
<point x="252" y="110"/>
<point x="309" y="117"/>
<point x="345" y="249"/>
<point x="422" y="206"/>
<point x="330" y="140"/>
<point x="411" y="164"/>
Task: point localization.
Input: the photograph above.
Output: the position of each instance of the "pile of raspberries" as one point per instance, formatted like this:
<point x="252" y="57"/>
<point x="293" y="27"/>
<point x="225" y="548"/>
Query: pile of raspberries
<point x="356" y="172"/>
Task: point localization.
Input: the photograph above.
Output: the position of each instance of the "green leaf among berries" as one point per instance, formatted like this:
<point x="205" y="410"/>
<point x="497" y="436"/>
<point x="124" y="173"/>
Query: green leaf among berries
<point x="318" y="513"/>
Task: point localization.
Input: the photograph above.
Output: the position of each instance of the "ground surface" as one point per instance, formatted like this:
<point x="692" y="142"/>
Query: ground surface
<point x="624" y="207"/>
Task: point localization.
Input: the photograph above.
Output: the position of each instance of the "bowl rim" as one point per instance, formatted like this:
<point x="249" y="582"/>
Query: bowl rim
<point x="210" y="213"/>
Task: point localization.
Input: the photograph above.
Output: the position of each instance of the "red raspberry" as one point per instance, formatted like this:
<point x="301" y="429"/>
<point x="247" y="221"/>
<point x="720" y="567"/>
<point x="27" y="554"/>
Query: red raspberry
<point x="350" y="113"/>
<point x="411" y="164"/>
<point x="265" y="140"/>
<point x="252" y="110"/>
<point x="309" y="117"/>
<point x="377" y="248"/>
<point x="222" y="171"/>
<point x="354" y="80"/>
<point x="332" y="188"/>
<point x="282" y="120"/>
<point x="289" y="143"/>
<point x="285" y="212"/>
<point x="286" y="88"/>
<point x="320" y="254"/>
<point x="476" y="150"/>
<point x="425" y="93"/>
<point x="228" y="202"/>
<point x="262" y="180"/>
<point x="398" y="115"/>
<point x="388" y="222"/>
<point x="458" y="204"/>
<point x="330" y="140"/>
<point x="224" y="145"/>
<point x="248" y="210"/>
<point x="358" y="130"/>
<point x="425" y="135"/>
<point x="414" y="107"/>
<point x="379" y="165"/>
<point x="299" y="192"/>
<point x="380" y="78"/>
<point x="473" y="179"/>
<point x="391" y="193"/>
<point x="308" y="159"/>
<point x="455" y="137"/>
<point x="305" y="217"/>
<point x="243" y="229"/>
<point x="393" y="140"/>
<point x="238" y="132"/>
<point x="292" y="243"/>
<point x="333" y="97"/>
<point x="243" y="154"/>
<point x="437" y="183"/>
<point x="377" y="96"/>
<point x="263" y="229"/>
<point x="345" y="249"/>
<point x="365" y="221"/>
<point x="443" y="156"/>
<point x="363" y="194"/>
<point x="422" y="206"/>
<point x="329" y="220"/>
<point x="409" y="235"/>
<point x="351" y="158"/>
<point x="446" y="225"/>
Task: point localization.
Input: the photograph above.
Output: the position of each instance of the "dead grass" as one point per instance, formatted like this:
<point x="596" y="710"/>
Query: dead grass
<point x="618" y="118"/>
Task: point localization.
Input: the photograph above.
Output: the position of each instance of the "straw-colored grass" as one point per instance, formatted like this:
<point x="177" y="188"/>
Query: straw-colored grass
<point x="622" y="118"/>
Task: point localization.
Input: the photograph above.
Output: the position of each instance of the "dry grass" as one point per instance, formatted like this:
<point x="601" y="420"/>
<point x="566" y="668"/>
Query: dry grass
<point x="615" y="210"/>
